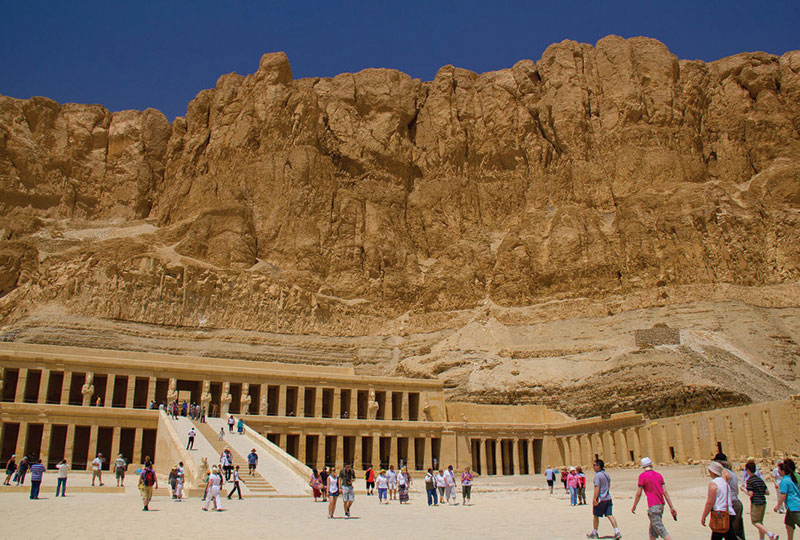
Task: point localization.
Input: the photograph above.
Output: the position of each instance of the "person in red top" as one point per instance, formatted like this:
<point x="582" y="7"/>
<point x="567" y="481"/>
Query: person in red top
<point x="370" y="477"/>
<point x="652" y="483"/>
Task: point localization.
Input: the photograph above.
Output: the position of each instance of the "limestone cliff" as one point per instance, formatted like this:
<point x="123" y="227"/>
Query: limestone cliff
<point x="396" y="214"/>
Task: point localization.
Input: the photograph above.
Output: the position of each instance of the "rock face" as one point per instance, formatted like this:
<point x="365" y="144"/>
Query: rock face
<point x="606" y="179"/>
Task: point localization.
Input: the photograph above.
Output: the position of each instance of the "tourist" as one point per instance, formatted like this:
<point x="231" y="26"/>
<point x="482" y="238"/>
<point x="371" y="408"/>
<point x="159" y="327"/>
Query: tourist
<point x="430" y="488"/>
<point x="119" y="470"/>
<point x="756" y="488"/>
<point x="179" y="484"/>
<point x="450" y="486"/>
<point x="581" y="486"/>
<point x="202" y="415"/>
<point x="738" y="507"/>
<point x="11" y="467"/>
<point x="231" y="422"/>
<point x="147" y="482"/>
<point x="776" y="479"/>
<point x="466" y="486"/>
<point x="221" y="434"/>
<point x="22" y="470"/>
<point x="97" y="469"/>
<point x="391" y="478"/>
<point x="214" y="486"/>
<point x="790" y="496"/>
<point x="323" y="475"/>
<point x="252" y="461"/>
<point x="382" y="483"/>
<point x="61" y="485"/>
<point x="172" y="480"/>
<point x="37" y="470"/>
<point x="236" y="488"/>
<point x="652" y="483"/>
<point x="719" y="499"/>
<point x="441" y="485"/>
<point x="240" y="426"/>
<point x="226" y="461"/>
<point x="206" y="474"/>
<point x="564" y="475"/>
<point x="746" y="474"/>
<point x="550" y="476"/>
<point x="316" y="484"/>
<point x="333" y="492"/>
<point x="602" y="504"/>
<point x="346" y="479"/>
<point x="403" y="480"/>
<point x="572" y="485"/>
<point x="369" y="476"/>
<point x="190" y="441"/>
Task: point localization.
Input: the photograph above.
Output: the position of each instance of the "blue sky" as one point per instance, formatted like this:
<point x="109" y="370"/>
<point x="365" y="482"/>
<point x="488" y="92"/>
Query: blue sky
<point x="160" y="53"/>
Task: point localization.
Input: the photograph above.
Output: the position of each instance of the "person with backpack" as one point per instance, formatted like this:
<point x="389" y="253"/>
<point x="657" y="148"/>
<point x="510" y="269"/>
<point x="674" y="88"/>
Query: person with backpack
<point x="790" y="496"/>
<point x="147" y="482"/>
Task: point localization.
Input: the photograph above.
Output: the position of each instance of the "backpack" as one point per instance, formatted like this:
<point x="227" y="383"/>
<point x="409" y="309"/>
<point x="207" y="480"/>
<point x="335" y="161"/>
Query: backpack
<point x="148" y="477"/>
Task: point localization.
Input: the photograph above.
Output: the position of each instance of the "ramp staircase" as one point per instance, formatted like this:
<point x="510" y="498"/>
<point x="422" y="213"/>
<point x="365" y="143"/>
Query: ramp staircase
<point x="255" y="483"/>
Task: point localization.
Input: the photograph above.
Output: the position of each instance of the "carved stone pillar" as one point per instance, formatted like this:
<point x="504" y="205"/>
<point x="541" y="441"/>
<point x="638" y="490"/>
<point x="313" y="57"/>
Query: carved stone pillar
<point x="92" y="446"/>
<point x="69" y="445"/>
<point x="137" y="457"/>
<point x="87" y="390"/>
<point x="44" y="449"/>
<point x="339" y="452"/>
<point x="321" y="451"/>
<point x="282" y="400"/>
<point x="115" y="445"/>
<point x="65" y="391"/>
<point x="44" y="382"/>
<point x="109" y="397"/>
<point x="393" y="442"/>
<point x="130" y="393"/>
<point x="225" y="399"/>
<point x="301" y="402"/>
<point x="404" y="408"/>
<point x="263" y="407"/>
<point x="22" y="378"/>
<point x="337" y="403"/>
<point x="357" y="461"/>
<point x="514" y="460"/>
<point x="376" y="450"/>
<point x="151" y="390"/>
<point x="318" y="403"/>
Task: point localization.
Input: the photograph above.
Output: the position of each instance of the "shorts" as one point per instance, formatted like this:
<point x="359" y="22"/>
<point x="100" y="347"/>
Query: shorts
<point x="657" y="529"/>
<point x="792" y="519"/>
<point x="370" y="485"/>
<point x="392" y="485"/>
<point x="757" y="513"/>
<point x="550" y="483"/>
<point x="602" y="509"/>
<point x="348" y="494"/>
<point x="120" y="474"/>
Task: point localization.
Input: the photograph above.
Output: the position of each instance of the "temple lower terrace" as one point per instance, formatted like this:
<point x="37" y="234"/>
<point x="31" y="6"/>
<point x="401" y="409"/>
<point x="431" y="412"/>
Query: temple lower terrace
<point x="60" y="402"/>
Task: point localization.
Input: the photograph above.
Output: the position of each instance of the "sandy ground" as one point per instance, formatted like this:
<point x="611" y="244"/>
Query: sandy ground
<point x="511" y="507"/>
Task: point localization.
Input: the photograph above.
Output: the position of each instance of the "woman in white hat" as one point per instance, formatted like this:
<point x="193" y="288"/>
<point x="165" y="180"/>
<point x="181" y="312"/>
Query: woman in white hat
<point x="719" y="500"/>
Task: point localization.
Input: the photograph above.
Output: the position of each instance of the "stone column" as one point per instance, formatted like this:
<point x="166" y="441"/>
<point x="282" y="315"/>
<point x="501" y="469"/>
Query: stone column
<point x="427" y="452"/>
<point x="623" y="456"/>
<point x="609" y="455"/>
<point x="411" y="456"/>
<point x="129" y="393"/>
<point x="115" y="445"/>
<point x="698" y="453"/>
<point x="679" y="440"/>
<point x="769" y="434"/>
<point x="22" y="378"/>
<point x="301" y="401"/>
<point x="712" y="433"/>
<point x="321" y="450"/>
<point x="748" y="434"/>
<point x="337" y="403"/>
<point x="376" y="450"/>
<point x="69" y="445"/>
<point x="44" y="449"/>
<point x="637" y="444"/>
<point x="44" y="382"/>
<point x="137" y="446"/>
<point x="730" y="450"/>
<point x="357" y="461"/>
<point x="404" y="407"/>
<point x="483" y="458"/>
<point x="108" y="401"/>
<point x="493" y="444"/>
<point x="264" y="405"/>
<point x="92" y="446"/>
<point x="339" y="460"/>
<point x="516" y="463"/>
<point x="301" y="448"/>
<point x="318" y="402"/>
<point x="393" y="442"/>
<point x="651" y="444"/>
<point x="21" y="436"/>
<point x="65" y="390"/>
<point x="151" y="390"/>
<point x="353" y="404"/>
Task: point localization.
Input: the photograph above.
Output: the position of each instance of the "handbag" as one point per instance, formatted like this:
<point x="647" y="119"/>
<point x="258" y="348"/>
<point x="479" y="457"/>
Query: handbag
<point x="720" y="520"/>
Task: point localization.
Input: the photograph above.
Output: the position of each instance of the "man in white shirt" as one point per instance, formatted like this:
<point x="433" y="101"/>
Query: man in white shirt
<point x="97" y="466"/>
<point x="450" y="485"/>
<point x="190" y="443"/>
<point x="119" y="470"/>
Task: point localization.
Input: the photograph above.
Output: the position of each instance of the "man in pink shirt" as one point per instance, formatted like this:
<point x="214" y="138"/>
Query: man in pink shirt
<point x="653" y="485"/>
